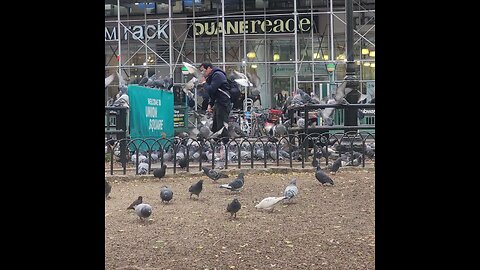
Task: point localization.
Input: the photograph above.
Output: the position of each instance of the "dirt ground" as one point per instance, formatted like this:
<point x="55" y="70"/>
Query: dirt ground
<point x="326" y="227"/>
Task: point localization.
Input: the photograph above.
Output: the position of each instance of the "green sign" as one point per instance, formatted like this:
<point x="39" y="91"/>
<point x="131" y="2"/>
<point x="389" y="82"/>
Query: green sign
<point x="151" y="112"/>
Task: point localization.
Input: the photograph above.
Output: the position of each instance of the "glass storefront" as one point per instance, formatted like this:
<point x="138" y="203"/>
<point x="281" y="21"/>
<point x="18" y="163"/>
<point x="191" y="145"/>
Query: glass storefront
<point x="281" y="49"/>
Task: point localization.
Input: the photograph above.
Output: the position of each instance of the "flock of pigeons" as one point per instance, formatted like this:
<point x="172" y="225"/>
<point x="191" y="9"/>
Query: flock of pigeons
<point x="338" y="97"/>
<point x="144" y="210"/>
<point x="191" y="151"/>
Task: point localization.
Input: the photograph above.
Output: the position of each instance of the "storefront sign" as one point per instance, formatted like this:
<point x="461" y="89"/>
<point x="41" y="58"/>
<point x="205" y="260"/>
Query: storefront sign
<point x="304" y="69"/>
<point x="136" y="32"/>
<point x="179" y="117"/>
<point x="253" y="26"/>
<point x="368" y="112"/>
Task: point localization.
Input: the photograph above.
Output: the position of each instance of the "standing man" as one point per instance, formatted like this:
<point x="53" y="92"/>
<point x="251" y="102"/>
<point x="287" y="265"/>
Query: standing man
<point x="214" y="83"/>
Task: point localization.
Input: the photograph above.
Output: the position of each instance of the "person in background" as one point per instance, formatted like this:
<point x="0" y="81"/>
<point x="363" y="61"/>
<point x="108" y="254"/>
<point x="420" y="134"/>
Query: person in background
<point x="279" y="99"/>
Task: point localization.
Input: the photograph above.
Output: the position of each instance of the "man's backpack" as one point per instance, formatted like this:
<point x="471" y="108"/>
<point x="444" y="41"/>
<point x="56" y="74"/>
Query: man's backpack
<point x="231" y="88"/>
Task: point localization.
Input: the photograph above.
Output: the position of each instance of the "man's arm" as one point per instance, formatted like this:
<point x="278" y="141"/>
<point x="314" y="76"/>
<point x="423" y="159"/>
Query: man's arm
<point x="212" y="88"/>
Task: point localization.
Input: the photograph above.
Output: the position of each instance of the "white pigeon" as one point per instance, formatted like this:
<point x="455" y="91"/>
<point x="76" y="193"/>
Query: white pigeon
<point x="269" y="203"/>
<point x="109" y="79"/>
<point x="143" y="210"/>
<point x="242" y="79"/>
<point x="142" y="168"/>
<point x="189" y="86"/>
<point x="291" y="190"/>
<point x="193" y="70"/>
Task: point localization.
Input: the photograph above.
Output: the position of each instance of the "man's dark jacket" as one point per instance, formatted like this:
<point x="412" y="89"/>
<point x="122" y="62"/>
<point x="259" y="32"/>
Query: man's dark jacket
<point x="217" y="79"/>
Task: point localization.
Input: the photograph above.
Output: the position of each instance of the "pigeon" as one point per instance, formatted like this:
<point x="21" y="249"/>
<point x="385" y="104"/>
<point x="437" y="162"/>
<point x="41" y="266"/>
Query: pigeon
<point x="166" y="194"/>
<point x="341" y="92"/>
<point x="160" y="172"/>
<point x="256" y="83"/>
<point x="109" y="79"/>
<point x="183" y="162"/>
<point x="315" y="162"/>
<point x="214" y="175"/>
<point x="234" y="207"/>
<point x="327" y="112"/>
<point x="279" y="130"/>
<point x="187" y="89"/>
<point x="291" y="190"/>
<point x="236" y="184"/>
<point x="108" y="188"/>
<point x="136" y="202"/>
<point x="335" y="166"/>
<point x="269" y="203"/>
<point x="196" y="188"/>
<point x="193" y="70"/>
<point x="241" y="79"/>
<point x="143" y="210"/>
<point x="142" y="167"/>
<point x="144" y="79"/>
<point x="323" y="177"/>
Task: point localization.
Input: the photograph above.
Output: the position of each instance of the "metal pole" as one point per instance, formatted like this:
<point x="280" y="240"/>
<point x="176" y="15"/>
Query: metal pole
<point x="312" y="51"/>
<point x="170" y="38"/>
<point x="194" y="35"/>
<point x="332" y="46"/>
<point x="244" y="59"/>
<point x="119" y="38"/>
<point x="295" y="17"/>
<point x="223" y="35"/>
<point x="146" y="39"/>
<point x="352" y="80"/>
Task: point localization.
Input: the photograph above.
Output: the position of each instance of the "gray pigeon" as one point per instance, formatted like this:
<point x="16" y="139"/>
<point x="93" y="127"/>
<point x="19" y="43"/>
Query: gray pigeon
<point x="236" y="184"/>
<point x="341" y="92"/>
<point x="323" y="177"/>
<point x="144" y="80"/>
<point x="160" y="172"/>
<point x="291" y="190"/>
<point x="335" y="166"/>
<point x="196" y="188"/>
<point x="234" y="207"/>
<point x="143" y="210"/>
<point x="136" y="202"/>
<point x="315" y="162"/>
<point x="279" y="130"/>
<point x="212" y="174"/>
<point x="166" y="194"/>
<point x="183" y="162"/>
<point x="108" y="188"/>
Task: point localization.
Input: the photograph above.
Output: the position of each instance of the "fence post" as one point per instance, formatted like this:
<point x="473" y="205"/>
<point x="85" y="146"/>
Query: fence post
<point x="122" y="125"/>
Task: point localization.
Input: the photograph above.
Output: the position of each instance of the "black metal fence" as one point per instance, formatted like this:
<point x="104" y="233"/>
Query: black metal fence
<point x="122" y="155"/>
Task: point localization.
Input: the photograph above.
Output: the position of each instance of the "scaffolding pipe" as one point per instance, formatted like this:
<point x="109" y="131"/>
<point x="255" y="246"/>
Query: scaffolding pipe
<point x="295" y="17"/>
<point x="170" y="38"/>
<point x="332" y="47"/>
<point x="119" y="58"/>
<point x="223" y="35"/>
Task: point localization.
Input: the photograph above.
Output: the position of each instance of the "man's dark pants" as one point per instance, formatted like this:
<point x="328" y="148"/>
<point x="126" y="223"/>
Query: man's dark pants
<point x="221" y="114"/>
